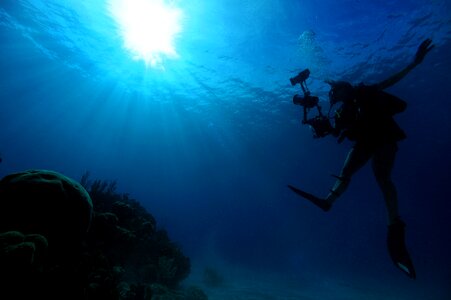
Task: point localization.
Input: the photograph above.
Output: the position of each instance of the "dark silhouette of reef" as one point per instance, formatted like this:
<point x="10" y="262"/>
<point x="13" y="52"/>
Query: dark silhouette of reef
<point x="60" y="239"/>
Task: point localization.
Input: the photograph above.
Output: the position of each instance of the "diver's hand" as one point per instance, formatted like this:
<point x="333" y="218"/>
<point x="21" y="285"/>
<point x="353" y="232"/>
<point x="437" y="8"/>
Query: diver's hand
<point x="423" y="49"/>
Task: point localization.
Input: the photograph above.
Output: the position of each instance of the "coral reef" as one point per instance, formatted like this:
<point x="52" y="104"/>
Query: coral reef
<point x="44" y="220"/>
<point x="46" y="203"/>
<point x="20" y="253"/>
<point x="68" y="240"/>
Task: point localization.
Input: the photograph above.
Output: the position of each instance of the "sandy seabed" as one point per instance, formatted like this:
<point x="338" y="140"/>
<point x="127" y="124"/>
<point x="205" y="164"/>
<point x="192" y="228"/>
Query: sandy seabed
<point x="241" y="284"/>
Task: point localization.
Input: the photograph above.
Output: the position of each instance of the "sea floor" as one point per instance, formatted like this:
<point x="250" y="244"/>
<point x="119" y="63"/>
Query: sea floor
<point x="241" y="284"/>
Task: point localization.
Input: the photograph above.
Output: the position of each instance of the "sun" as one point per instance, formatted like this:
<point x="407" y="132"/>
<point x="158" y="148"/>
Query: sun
<point x="148" y="28"/>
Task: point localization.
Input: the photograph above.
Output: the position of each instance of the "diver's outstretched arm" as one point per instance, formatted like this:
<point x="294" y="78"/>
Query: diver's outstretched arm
<point x="423" y="49"/>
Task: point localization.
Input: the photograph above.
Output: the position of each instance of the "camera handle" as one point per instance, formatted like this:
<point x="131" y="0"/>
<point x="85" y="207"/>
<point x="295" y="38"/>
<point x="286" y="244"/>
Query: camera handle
<point x="306" y="111"/>
<point x="306" y="91"/>
<point x="305" y="88"/>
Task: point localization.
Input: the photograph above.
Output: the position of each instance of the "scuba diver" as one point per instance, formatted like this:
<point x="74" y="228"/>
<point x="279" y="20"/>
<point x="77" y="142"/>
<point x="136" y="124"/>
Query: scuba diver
<point x="365" y="117"/>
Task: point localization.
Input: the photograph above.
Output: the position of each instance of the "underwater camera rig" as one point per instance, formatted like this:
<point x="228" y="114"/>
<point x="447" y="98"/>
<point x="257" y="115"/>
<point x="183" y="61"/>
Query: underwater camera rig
<point x="319" y="124"/>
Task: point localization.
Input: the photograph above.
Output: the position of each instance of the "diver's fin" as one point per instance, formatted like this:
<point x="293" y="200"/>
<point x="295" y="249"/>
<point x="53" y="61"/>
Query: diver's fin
<point x="321" y="203"/>
<point x="397" y="248"/>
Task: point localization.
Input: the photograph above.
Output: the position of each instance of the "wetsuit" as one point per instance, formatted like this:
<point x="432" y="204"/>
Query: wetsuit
<point x="368" y="121"/>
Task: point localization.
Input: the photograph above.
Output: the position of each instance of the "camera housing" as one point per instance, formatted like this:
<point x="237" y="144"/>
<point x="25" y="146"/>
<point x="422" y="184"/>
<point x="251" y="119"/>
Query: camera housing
<point x="319" y="124"/>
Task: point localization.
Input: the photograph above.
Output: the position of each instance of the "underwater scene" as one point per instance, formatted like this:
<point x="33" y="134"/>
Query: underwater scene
<point x="225" y="149"/>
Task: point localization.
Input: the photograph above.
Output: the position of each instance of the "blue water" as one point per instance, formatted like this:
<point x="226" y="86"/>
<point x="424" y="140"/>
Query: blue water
<point x="208" y="142"/>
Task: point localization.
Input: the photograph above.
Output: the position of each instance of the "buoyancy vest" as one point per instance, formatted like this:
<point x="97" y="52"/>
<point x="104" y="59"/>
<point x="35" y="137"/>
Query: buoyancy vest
<point x="368" y="118"/>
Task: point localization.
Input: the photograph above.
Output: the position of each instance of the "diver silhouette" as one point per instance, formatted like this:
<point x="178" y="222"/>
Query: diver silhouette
<point x="365" y="117"/>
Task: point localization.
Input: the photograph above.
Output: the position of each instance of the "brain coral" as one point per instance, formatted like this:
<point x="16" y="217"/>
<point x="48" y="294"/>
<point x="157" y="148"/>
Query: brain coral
<point x="47" y="203"/>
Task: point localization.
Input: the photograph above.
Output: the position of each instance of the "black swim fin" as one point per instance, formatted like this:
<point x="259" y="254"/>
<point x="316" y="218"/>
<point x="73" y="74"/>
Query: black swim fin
<point x="397" y="248"/>
<point x="321" y="203"/>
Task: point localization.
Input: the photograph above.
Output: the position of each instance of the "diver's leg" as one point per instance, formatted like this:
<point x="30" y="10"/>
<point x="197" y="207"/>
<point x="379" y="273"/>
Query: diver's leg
<point x="357" y="157"/>
<point x="383" y="161"/>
